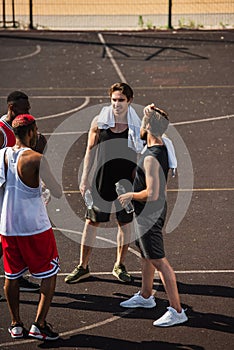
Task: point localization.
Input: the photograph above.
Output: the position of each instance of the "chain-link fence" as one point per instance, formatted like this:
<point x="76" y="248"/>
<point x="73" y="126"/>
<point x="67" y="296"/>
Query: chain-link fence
<point x="117" y="15"/>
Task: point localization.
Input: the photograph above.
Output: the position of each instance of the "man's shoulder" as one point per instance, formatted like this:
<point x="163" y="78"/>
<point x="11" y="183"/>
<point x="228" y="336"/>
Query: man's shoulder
<point x="94" y="124"/>
<point x="31" y="155"/>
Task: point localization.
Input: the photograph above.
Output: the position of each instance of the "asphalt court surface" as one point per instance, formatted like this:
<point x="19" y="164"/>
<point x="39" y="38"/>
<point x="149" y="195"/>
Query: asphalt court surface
<point x="190" y="74"/>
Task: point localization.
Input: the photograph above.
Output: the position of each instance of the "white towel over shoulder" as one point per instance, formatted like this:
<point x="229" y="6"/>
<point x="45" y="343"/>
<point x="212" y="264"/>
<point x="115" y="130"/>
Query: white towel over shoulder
<point x="106" y="120"/>
<point x="172" y="160"/>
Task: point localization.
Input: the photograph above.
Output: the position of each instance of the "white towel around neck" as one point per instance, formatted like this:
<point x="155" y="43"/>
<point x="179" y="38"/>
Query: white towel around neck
<point x="106" y="120"/>
<point x="172" y="160"/>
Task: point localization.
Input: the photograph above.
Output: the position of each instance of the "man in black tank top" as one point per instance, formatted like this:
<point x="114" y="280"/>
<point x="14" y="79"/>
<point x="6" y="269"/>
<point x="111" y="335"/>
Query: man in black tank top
<point x="149" y="200"/>
<point x="115" y="161"/>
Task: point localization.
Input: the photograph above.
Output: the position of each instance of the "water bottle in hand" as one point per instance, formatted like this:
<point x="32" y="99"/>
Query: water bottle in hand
<point x="88" y="199"/>
<point x="121" y="190"/>
<point x="45" y="195"/>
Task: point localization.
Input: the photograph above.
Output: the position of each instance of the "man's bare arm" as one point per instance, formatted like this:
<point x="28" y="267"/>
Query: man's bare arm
<point x="49" y="179"/>
<point x="151" y="192"/>
<point x="89" y="155"/>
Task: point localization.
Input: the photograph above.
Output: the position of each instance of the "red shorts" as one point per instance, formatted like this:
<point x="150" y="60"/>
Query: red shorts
<point x="37" y="253"/>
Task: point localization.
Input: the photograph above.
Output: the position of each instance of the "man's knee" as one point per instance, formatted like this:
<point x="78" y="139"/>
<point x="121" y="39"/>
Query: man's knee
<point x="159" y="263"/>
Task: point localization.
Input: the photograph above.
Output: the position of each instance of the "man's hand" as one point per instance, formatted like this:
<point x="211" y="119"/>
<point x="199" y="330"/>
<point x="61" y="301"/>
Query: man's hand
<point x="148" y="110"/>
<point x="125" y="198"/>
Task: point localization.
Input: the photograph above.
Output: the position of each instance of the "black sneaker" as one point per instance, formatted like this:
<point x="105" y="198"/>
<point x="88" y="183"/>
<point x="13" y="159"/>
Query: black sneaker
<point x="26" y="286"/>
<point x="17" y="331"/>
<point x="42" y="333"/>
<point x="120" y="272"/>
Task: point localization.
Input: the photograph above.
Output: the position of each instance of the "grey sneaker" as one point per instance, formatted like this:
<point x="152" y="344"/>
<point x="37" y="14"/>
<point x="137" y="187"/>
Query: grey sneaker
<point x="171" y="318"/>
<point x="78" y="274"/>
<point x="120" y="272"/>
<point x="138" y="301"/>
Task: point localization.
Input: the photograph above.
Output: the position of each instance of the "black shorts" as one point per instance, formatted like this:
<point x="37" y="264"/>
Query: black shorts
<point x="150" y="242"/>
<point x="103" y="215"/>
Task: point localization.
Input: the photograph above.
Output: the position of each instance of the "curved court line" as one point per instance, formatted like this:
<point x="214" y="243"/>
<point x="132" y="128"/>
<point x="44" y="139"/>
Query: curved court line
<point x="86" y="102"/>
<point x="36" y="52"/>
<point x="204" y="120"/>
<point x="101" y="323"/>
<point x="74" y="331"/>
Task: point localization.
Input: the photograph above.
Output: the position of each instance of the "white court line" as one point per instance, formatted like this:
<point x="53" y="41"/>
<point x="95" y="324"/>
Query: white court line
<point x="74" y="331"/>
<point x="184" y="272"/>
<point x="113" y="61"/>
<point x="86" y="102"/>
<point x="65" y="97"/>
<point x="138" y="88"/>
<point x="179" y="272"/>
<point x="98" y="237"/>
<point x="199" y="189"/>
<point x="37" y="51"/>
<point x="178" y="189"/>
<point x="64" y="133"/>
<point x="204" y="120"/>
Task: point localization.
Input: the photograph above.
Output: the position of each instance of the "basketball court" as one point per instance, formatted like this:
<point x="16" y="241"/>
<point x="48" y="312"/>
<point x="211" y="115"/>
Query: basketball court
<point x="190" y="75"/>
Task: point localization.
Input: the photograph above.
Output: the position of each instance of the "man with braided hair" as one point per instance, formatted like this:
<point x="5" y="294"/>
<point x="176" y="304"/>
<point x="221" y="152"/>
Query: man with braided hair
<point x="27" y="237"/>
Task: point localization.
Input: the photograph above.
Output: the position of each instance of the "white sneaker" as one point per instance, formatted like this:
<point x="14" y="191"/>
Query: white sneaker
<point x="171" y="318"/>
<point x="138" y="301"/>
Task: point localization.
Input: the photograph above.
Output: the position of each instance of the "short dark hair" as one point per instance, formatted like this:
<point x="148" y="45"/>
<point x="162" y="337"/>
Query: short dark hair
<point x="22" y="124"/>
<point x="124" y="88"/>
<point x="158" y="122"/>
<point x="21" y="131"/>
<point x="16" y="96"/>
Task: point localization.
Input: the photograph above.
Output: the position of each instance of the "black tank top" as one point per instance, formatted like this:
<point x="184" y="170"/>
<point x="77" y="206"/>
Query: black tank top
<point x="160" y="153"/>
<point x="115" y="161"/>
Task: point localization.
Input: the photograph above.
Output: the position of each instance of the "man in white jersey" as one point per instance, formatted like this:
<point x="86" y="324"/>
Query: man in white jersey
<point x="18" y="103"/>
<point x="27" y="237"/>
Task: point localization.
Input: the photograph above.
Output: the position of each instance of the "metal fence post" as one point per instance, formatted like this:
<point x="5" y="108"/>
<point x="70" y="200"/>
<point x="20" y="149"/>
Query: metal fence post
<point x="3" y="14"/>
<point x="13" y="13"/>
<point x="169" y="14"/>
<point x="31" y="14"/>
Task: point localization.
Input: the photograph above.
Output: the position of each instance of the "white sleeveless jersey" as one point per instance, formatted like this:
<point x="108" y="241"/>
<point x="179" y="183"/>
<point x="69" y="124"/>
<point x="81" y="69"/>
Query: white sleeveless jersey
<point x="23" y="210"/>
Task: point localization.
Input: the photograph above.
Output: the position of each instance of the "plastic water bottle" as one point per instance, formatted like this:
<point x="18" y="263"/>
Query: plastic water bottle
<point x="121" y="190"/>
<point x="45" y="195"/>
<point x="88" y="199"/>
